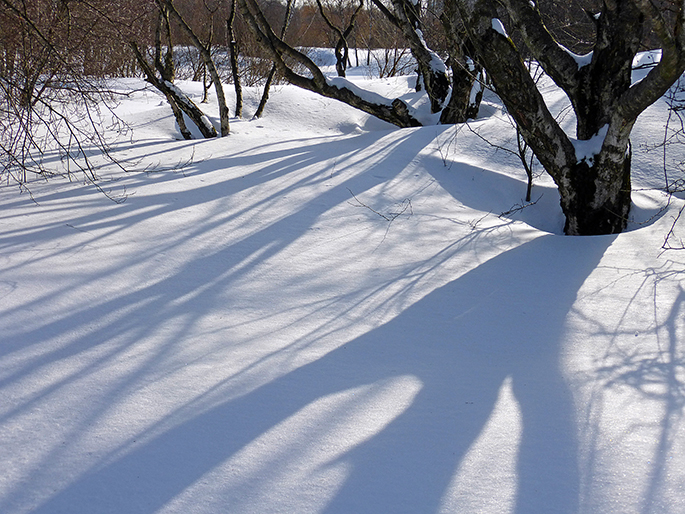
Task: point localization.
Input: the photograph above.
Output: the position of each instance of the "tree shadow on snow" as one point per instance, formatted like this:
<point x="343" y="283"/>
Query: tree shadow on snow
<point x="502" y="322"/>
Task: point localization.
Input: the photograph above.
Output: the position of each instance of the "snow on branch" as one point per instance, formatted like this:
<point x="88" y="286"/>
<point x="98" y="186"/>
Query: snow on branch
<point x="367" y="96"/>
<point x="498" y="26"/>
<point x="581" y="60"/>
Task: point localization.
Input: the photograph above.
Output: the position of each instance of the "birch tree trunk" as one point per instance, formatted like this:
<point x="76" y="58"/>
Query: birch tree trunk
<point x="393" y="111"/>
<point x="233" y="45"/>
<point x="206" y="55"/>
<point x="180" y="102"/>
<point x="592" y="170"/>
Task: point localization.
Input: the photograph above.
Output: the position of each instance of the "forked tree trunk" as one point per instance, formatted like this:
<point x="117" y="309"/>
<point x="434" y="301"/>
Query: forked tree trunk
<point x="342" y="48"/>
<point x="592" y="172"/>
<point x="180" y="103"/>
<point x="341" y="57"/>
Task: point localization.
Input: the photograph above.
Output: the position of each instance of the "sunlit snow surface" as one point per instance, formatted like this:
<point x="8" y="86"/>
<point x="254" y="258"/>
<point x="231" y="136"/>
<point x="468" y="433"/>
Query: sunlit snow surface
<point x="321" y="313"/>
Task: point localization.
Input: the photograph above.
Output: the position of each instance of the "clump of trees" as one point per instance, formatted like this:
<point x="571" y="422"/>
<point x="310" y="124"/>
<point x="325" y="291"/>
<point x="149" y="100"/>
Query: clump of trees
<point x="586" y="47"/>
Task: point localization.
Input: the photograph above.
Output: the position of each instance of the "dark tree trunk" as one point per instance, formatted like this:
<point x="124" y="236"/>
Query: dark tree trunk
<point x="395" y="111"/>
<point x="233" y="45"/>
<point x="594" y="206"/>
<point x="592" y="172"/>
<point x="208" y="61"/>
<point x="341" y="53"/>
<point x="467" y="93"/>
<point x="265" y="93"/>
<point x="467" y="90"/>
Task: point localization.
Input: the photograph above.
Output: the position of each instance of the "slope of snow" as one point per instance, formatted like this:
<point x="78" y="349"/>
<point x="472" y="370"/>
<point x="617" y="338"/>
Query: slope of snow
<point x="322" y="313"/>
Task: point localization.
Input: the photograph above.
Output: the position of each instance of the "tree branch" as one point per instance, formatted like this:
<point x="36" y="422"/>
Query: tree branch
<point x="395" y="111"/>
<point x="553" y="58"/>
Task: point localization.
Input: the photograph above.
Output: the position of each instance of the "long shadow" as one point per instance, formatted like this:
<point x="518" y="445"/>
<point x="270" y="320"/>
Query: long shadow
<point x="502" y="321"/>
<point x="274" y="237"/>
<point x="178" y="300"/>
<point x="264" y="165"/>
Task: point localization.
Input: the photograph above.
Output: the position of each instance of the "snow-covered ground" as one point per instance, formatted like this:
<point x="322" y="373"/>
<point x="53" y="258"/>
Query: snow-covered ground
<point x="323" y="313"/>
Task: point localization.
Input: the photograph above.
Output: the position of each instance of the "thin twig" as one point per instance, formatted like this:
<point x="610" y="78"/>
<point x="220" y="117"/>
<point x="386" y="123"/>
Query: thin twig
<point x="518" y="207"/>
<point x="671" y="235"/>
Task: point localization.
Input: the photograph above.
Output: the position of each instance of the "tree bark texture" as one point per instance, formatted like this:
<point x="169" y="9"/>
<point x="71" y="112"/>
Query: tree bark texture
<point x="592" y="171"/>
<point x="233" y="45"/>
<point x="467" y="73"/>
<point x="209" y="63"/>
<point x="178" y="100"/>
<point x="395" y="111"/>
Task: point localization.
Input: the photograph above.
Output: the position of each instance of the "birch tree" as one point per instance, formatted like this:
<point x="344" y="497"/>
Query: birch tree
<point x="205" y="53"/>
<point x="393" y="111"/>
<point x="592" y="169"/>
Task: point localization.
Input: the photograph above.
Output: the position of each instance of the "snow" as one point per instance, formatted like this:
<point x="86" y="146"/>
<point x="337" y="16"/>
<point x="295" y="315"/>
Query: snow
<point x="476" y="89"/>
<point x="643" y="64"/>
<point x="241" y="335"/>
<point x="581" y="60"/>
<point x="498" y="26"/>
<point x="587" y="149"/>
<point x="367" y="96"/>
<point x="647" y="59"/>
<point x="437" y="64"/>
